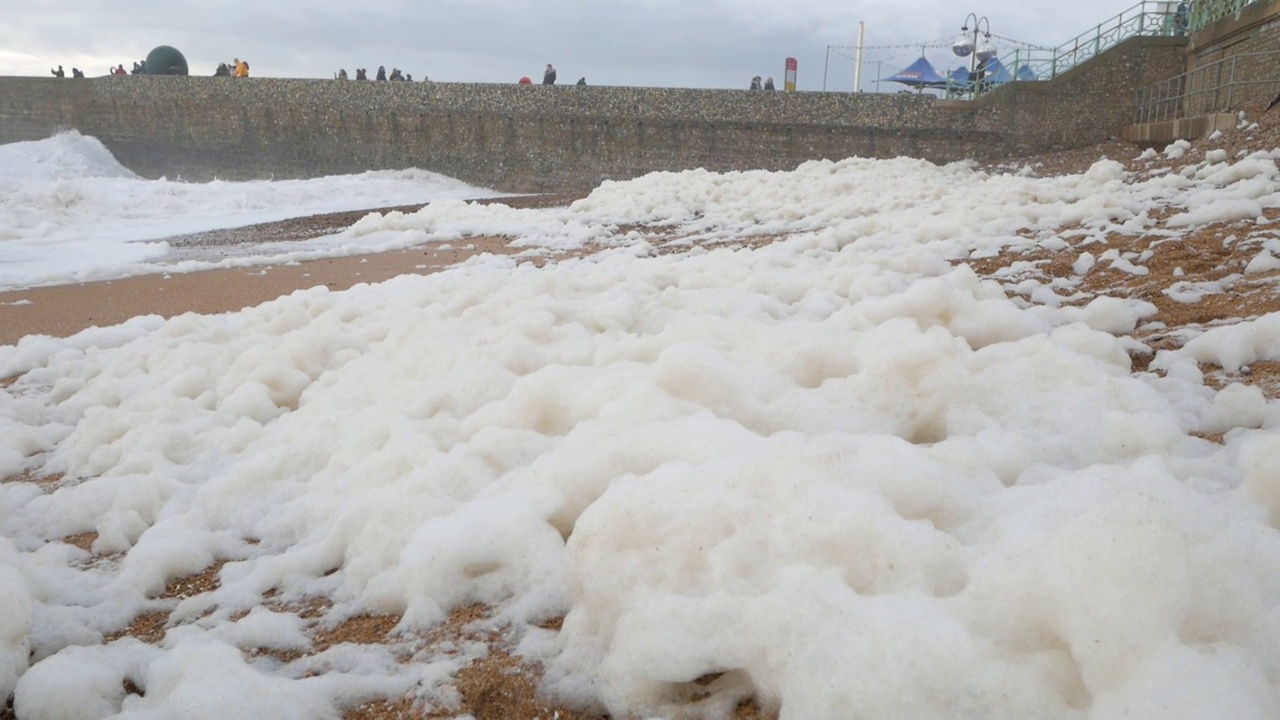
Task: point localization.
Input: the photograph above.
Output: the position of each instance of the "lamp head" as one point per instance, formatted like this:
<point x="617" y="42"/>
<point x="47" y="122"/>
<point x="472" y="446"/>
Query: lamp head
<point x="986" y="50"/>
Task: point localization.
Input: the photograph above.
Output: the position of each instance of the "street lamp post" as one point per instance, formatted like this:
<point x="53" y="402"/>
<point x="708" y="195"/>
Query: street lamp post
<point x="977" y="48"/>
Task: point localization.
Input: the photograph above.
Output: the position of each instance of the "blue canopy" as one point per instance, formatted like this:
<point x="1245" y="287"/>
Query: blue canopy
<point x="997" y="73"/>
<point x="994" y="73"/>
<point x="919" y="74"/>
<point x="959" y="77"/>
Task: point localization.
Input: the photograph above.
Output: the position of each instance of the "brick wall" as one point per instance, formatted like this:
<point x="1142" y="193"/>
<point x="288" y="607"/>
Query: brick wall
<point x="529" y="138"/>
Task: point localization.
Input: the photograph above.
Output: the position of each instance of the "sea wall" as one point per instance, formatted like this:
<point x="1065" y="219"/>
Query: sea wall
<point x="534" y="138"/>
<point x="1249" y="41"/>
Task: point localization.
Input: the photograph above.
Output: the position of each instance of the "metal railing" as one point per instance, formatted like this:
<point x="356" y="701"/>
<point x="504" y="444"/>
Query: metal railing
<point x="1149" y="18"/>
<point x="1207" y="12"/>
<point x="1220" y="86"/>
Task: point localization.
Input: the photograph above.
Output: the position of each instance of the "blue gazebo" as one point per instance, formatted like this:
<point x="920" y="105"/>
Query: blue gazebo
<point x="996" y="73"/>
<point x="958" y="81"/>
<point x="919" y="75"/>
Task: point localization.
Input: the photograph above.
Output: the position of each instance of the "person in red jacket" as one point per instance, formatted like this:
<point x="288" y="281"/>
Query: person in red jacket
<point x="120" y="70"/>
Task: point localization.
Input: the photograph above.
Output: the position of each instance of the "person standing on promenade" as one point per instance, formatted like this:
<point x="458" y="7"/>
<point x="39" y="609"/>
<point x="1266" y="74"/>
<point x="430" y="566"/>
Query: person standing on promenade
<point x="58" y="72"/>
<point x="1181" y="18"/>
<point x="549" y="76"/>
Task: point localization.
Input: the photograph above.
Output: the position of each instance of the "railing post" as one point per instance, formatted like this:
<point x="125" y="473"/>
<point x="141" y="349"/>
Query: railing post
<point x="1231" y="82"/>
<point x="1182" y="95"/>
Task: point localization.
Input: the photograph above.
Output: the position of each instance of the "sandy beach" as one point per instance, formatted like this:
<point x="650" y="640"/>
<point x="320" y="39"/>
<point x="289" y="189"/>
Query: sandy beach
<point x="64" y="310"/>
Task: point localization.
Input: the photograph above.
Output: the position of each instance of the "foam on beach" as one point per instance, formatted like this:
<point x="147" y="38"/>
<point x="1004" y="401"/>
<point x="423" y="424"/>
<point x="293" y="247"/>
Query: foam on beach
<point x="70" y="212"/>
<point x="857" y="480"/>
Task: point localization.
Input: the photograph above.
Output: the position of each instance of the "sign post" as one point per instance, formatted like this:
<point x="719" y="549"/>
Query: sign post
<point x="790" y="77"/>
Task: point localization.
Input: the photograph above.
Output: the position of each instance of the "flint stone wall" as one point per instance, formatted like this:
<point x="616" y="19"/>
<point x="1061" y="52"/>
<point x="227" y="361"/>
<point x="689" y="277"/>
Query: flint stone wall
<point x="1249" y="40"/>
<point x="538" y="138"/>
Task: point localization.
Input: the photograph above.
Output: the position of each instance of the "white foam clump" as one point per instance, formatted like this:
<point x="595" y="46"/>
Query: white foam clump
<point x="1091" y="584"/>
<point x="264" y="628"/>
<point x="63" y="157"/>
<point x="1083" y="263"/>
<point x="16" y="619"/>
<point x="1264" y="261"/>
<point x="714" y="208"/>
<point x="1177" y="149"/>
<point x="1237" y="406"/>
<point x="1258" y="167"/>
<point x="835" y="456"/>
<point x="1123" y="264"/>
<point x="1260" y="459"/>
<point x="1238" y="191"/>
<point x="1188" y="293"/>
<point x="202" y="679"/>
<point x="1230" y="347"/>
<point x="1220" y="211"/>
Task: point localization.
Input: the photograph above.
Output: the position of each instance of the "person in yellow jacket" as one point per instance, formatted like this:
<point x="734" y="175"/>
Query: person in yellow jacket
<point x="242" y="68"/>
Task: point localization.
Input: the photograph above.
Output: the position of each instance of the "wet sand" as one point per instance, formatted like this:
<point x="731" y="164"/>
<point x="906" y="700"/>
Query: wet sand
<point x="64" y="310"/>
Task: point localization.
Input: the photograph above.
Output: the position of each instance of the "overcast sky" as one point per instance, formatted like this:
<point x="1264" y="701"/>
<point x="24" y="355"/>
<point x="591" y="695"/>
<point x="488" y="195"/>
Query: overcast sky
<point x="672" y="43"/>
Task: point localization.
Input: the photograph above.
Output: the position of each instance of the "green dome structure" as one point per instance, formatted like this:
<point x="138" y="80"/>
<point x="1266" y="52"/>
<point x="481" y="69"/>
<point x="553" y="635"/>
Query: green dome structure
<point x="165" y="60"/>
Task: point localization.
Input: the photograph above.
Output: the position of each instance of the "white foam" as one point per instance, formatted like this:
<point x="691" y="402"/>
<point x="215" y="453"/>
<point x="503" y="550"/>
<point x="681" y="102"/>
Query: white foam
<point x="70" y="212"/>
<point x="839" y="455"/>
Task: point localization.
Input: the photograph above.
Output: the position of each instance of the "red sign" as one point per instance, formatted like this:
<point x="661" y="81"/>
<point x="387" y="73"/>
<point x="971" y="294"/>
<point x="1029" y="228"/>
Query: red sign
<point x="790" y="85"/>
